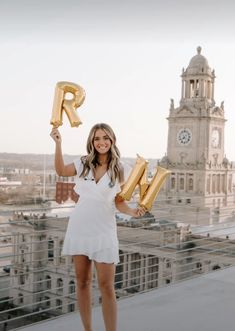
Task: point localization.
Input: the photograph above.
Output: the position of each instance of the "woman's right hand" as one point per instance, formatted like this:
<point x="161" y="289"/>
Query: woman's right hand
<point x="55" y="134"/>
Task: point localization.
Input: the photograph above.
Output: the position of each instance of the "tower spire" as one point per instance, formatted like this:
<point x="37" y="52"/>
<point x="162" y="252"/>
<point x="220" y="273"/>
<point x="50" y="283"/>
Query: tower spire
<point x="199" y="49"/>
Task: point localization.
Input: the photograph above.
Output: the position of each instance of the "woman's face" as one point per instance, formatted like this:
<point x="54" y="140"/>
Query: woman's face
<point x="101" y="142"/>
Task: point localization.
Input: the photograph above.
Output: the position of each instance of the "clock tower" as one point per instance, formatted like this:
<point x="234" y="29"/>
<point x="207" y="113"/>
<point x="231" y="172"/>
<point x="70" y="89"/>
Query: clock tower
<point x="200" y="172"/>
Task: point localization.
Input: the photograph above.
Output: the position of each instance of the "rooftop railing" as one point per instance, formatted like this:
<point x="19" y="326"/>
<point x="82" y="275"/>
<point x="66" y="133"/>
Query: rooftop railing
<point x="159" y="249"/>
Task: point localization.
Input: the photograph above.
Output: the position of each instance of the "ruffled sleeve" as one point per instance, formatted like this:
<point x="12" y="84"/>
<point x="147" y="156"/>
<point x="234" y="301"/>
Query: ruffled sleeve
<point x="126" y="173"/>
<point x="78" y="166"/>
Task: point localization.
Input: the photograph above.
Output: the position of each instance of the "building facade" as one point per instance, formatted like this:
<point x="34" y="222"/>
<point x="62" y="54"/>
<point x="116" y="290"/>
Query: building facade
<point x="201" y="174"/>
<point x="151" y="255"/>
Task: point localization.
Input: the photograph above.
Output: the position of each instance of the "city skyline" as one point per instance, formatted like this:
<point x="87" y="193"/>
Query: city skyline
<point x="127" y="56"/>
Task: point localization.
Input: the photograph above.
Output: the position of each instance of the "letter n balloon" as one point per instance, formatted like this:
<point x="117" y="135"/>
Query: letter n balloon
<point x="148" y="191"/>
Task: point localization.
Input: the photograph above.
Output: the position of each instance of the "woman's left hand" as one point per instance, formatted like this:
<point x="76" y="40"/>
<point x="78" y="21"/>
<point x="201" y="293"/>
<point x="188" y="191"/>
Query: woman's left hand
<point x="138" y="212"/>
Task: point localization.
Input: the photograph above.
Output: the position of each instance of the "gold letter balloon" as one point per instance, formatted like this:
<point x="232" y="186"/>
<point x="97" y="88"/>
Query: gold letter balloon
<point x="148" y="191"/>
<point x="62" y="104"/>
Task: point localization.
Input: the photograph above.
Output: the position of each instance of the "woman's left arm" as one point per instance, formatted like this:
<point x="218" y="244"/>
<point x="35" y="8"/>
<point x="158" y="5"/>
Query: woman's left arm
<point x="123" y="207"/>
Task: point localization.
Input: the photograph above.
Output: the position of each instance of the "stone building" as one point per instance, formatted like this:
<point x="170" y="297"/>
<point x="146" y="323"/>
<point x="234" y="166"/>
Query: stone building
<point x="153" y="255"/>
<point x="201" y="174"/>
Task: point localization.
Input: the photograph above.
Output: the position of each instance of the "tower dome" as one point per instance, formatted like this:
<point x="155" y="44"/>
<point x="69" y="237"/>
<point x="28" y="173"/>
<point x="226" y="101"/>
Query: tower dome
<point x="197" y="81"/>
<point x="198" y="64"/>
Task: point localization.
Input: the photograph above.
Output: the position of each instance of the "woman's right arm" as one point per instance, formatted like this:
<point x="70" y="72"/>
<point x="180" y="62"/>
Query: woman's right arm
<point x="61" y="169"/>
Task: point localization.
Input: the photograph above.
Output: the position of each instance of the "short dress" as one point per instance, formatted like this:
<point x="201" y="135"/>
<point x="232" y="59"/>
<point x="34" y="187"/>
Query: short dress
<point x="92" y="229"/>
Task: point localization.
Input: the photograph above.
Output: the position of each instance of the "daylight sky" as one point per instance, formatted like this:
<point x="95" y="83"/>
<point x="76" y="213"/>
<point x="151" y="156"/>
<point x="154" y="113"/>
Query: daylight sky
<point x="128" y="55"/>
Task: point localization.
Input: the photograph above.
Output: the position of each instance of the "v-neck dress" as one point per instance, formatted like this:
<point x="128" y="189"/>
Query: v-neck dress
<point x="92" y="229"/>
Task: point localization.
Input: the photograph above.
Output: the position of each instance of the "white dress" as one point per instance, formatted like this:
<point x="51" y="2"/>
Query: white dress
<point x="92" y="229"/>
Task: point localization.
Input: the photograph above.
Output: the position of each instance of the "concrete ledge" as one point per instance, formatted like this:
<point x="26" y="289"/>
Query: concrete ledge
<point x="205" y="303"/>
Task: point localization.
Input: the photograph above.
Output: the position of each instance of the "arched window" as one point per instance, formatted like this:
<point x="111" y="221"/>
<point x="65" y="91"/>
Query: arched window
<point x="213" y="183"/>
<point x="191" y="82"/>
<point x="199" y="266"/>
<point x="218" y="183"/>
<point x="59" y="304"/>
<point x="215" y="267"/>
<point x="47" y="302"/>
<point x="21" y="298"/>
<point x="173" y="183"/>
<point x="48" y="282"/>
<point x="71" y="287"/>
<point x="230" y="183"/>
<point x="190" y="184"/>
<point x="59" y="284"/>
<point x="61" y="257"/>
<point x="208" y="184"/>
<point x="51" y="249"/>
<point x="223" y="183"/>
<point x="181" y="183"/>
<point x="71" y="307"/>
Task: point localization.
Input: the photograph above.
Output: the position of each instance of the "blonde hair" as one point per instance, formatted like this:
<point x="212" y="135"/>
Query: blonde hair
<point x="90" y="161"/>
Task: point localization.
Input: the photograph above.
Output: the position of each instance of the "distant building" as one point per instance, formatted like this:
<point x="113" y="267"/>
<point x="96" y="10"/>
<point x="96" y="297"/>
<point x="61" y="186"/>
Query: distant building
<point x="42" y="279"/>
<point x="6" y="184"/>
<point x="201" y="174"/>
<point x="14" y="171"/>
<point x="65" y="191"/>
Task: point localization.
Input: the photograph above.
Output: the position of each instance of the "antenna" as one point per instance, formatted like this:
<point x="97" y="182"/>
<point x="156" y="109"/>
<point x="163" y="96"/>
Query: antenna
<point x="44" y="178"/>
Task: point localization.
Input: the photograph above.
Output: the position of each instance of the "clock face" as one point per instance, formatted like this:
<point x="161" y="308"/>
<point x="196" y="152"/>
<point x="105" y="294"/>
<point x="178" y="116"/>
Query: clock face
<point x="184" y="137"/>
<point x="215" y="138"/>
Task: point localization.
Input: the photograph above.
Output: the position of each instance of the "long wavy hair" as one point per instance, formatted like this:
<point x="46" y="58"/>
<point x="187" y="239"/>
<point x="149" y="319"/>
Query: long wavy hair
<point x="91" y="161"/>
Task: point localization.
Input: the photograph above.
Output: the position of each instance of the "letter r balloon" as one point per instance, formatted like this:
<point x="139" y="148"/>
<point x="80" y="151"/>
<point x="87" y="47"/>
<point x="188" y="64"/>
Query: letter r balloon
<point x="62" y="104"/>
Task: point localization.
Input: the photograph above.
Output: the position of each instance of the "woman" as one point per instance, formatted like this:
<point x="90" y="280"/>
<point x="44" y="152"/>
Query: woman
<point x="92" y="234"/>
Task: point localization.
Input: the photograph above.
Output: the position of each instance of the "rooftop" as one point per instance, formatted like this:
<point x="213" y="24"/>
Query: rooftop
<point x="169" y="275"/>
<point x="204" y="303"/>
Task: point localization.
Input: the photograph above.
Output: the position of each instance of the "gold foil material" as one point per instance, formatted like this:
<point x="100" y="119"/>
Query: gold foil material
<point x="62" y="104"/>
<point x="148" y="191"/>
<point x="154" y="187"/>
<point x="133" y="179"/>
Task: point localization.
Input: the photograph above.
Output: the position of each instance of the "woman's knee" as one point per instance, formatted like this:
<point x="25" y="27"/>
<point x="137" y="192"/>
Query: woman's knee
<point x="83" y="269"/>
<point x="106" y="286"/>
<point x="83" y="283"/>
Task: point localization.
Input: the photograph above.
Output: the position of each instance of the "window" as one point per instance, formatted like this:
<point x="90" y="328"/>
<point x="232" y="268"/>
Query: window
<point x="173" y="183"/>
<point x="51" y="250"/>
<point x="21" y="298"/>
<point x="22" y="279"/>
<point x="58" y="304"/>
<point x="59" y="284"/>
<point x="199" y="266"/>
<point x="215" y="267"/>
<point x="71" y="287"/>
<point x="168" y="264"/>
<point x="218" y="183"/>
<point x="48" y="302"/>
<point x="191" y="88"/>
<point x="48" y="282"/>
<point x="208" y="184"/>
<point x="197" y="89"/>
<point x="213" y="183"/>
<point x="190" y="184"/>
<point x="181" y="183"/>
<point x="230" y="183"/>
<point x="71" y="307"/>
<point x="223" y="183"/>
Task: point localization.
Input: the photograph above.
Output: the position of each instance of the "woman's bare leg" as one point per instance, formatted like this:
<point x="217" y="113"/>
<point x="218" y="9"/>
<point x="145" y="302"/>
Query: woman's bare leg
<point x="83" y="269"/>
<point x="105" y="275"/>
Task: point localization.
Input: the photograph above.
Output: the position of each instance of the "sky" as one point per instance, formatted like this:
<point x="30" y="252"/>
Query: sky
<point x="128" y="55"/>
